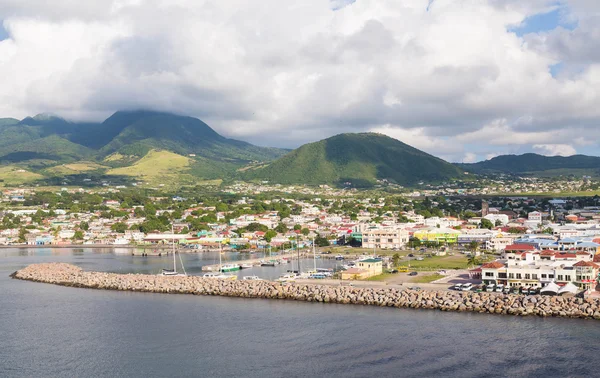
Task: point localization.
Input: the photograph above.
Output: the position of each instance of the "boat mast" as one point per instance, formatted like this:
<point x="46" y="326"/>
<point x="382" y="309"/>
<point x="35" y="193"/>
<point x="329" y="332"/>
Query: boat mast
<point x="220" y="249"/>
<point x="314" y="254"/>
<point x="173" y="244"/>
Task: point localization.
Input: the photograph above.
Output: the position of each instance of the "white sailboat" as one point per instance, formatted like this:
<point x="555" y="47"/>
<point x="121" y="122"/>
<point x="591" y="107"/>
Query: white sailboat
<point x="220" y="274"/>
<point x="173" y="272"/>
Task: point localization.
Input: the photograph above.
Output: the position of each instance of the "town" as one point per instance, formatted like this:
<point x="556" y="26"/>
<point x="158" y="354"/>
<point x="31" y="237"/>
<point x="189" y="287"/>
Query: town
<point x="495" y="243"/>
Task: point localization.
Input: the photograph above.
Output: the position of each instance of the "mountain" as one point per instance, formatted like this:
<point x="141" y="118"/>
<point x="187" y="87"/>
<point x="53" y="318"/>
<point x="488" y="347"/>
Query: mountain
<point x="179" y="134"/>
<point x="537" y="165"/>
<point x="46" y="143"/>
<point x="360" y="159"/>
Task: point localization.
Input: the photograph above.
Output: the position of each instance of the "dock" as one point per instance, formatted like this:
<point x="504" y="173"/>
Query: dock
<point x="288" y="256"/>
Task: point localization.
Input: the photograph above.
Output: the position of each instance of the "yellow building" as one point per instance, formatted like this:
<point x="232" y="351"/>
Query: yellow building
<point x="363" y="270"/>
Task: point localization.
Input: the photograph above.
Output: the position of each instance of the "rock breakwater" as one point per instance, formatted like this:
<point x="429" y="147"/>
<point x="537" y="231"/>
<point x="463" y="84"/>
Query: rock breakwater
<point x="70" y="275"/>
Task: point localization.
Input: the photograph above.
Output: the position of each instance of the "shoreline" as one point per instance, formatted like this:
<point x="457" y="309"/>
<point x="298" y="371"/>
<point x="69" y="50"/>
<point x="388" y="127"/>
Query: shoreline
<point x="544" y="306"/>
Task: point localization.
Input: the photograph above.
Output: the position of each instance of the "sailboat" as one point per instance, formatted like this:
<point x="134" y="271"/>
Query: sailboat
<point x="220" y="274"/>
<point x="173" y="272"/>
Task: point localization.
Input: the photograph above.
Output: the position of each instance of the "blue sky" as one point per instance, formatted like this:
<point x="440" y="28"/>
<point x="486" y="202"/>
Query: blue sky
<point x="3" y="32"/>
<point x="543" y="22"/>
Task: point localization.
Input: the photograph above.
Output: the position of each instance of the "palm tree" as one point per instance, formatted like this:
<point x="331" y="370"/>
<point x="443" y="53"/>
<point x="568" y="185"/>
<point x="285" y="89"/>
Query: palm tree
<point x="472" y="261"/>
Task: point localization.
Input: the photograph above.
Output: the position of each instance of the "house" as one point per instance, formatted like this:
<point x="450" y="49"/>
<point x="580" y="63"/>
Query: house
<point x="363" y="270"/>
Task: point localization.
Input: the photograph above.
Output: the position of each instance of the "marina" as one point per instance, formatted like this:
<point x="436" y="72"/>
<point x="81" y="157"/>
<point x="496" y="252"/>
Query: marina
<point x="323" y="333"/>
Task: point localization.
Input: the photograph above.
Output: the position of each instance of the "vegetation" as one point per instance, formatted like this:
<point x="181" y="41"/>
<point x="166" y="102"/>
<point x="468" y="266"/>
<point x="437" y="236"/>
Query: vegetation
<point x="538" y="165"/>
<point x="358" y="159"/>
<point x="427" y="278"/>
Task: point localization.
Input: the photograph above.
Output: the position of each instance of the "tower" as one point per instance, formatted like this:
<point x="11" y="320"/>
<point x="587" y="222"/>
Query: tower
<point x="485" y="208"/>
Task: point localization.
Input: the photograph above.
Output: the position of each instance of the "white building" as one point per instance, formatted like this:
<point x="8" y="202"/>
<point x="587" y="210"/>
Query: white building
<point x="384" y="238"/>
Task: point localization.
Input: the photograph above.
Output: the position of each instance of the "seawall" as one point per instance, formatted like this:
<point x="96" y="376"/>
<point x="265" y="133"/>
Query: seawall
<point x="71" y="275"/>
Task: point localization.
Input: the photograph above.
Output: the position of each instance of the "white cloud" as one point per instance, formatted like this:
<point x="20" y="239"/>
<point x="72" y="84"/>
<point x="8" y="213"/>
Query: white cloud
<point x="451" y="80"/>
<point x="555" y="149"/>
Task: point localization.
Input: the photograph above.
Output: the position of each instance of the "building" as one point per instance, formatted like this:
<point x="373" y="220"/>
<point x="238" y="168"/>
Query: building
<point x="384" y="238"/>
<point x="363" y="270"/>
<point x="536" y="270"/>
<point x="437" y="235"/>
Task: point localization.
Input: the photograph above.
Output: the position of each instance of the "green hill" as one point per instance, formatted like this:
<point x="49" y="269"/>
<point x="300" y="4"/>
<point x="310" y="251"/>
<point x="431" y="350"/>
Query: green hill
<point x="45" y="144"/>
<point x="537" y="165"/>
<point x="183" y="135"/>
<point x="360" y="159"/>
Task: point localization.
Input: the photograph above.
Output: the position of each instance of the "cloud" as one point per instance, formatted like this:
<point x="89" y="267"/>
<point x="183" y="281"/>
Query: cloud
<point x="452" y="79"/>
<point x="555" y="149"/>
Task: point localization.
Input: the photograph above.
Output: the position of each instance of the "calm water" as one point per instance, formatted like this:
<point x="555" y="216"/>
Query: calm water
<point x="57" y="331"/>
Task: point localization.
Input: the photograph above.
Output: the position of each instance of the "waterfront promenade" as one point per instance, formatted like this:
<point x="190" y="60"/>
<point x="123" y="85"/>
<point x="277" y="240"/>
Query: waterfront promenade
<point x="71" y="275"/>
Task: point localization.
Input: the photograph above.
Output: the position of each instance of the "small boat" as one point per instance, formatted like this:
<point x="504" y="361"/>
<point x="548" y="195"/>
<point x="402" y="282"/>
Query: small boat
<point x="252" y="278"/>
<point x="246" y="266"/>
<point x="220" y="276"/>
<point x="288" y="277"/>
<point x="230" y="268"/>
<point x="339" y="257"/>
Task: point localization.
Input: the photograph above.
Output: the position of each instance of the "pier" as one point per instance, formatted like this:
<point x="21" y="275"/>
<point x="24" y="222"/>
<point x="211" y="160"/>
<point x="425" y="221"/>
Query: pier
<point x="288" y="257"/>
<point x="490" y="303"/>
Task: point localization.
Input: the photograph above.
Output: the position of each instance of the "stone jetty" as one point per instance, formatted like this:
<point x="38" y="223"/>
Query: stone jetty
<point x="70" y="275"/>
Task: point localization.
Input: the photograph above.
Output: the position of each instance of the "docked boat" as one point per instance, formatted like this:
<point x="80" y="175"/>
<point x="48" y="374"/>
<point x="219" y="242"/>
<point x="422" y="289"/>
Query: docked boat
<point x="251" y="278"/>
<point x="230" y="268"/>
<point x="220" y="276"/>
<point x="246" y="266"/>
<point x="269" y="263"/>
<point x="339" y="257"/>
<point x="288" y="277"/>
<point x="173" y="272"/>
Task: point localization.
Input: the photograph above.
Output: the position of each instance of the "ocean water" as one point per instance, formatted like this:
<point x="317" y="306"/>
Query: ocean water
<point x="53" y="331"/>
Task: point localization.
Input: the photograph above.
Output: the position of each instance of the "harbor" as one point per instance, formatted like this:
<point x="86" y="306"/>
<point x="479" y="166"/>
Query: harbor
<point x="521" y="305"/>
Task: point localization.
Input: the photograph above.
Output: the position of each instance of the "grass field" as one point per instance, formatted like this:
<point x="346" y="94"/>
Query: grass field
<point x="13" y="175"/>
<point x="427" y="278"/>
<point x="159" y="167"/>
<point x="75" y="168"/>
<point x="437" y="263"/>
<point x="381" y="277"/>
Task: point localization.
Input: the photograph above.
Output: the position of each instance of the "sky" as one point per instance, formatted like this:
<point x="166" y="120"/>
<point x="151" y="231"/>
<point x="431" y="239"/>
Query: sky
<point x="465" y="80"/>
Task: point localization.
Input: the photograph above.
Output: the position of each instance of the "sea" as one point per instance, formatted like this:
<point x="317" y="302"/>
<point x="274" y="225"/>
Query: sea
<point x="55" y="331"/>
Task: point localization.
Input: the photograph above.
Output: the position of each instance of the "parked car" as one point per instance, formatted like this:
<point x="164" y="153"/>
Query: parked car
<point x="467" y="287"/>
<point x="490" y="288"/>
<point x="499" y="288"/>
<point x="411" y="255"/>
<point x="419" y="259"/>
<point x="457" y="287"/>
<point x="506" y="290"/>
<point x="412" y="273"/>
<point x="415" y="288"/>
<point x="394" y="271"/>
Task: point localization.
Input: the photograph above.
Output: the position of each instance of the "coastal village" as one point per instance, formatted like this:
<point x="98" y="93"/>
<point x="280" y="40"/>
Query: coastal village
<point x="510" y="243"/>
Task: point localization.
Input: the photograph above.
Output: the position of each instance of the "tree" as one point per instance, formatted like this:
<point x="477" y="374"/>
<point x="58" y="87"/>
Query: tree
<point x="23" y="235"/>
<point x="84" y="226"/>
<point x="321" y="241"/>
<point x="396" y="259"/>
<point x="269" y="235"/>
<point x="473" y="246"/>
<point x="473" y="260"/>
<point x="252" y="227"/>
<point x="281" y="228"/>
<point x="486" y="223"/>
<point x="297" y="227"/>
<point x="78" y="235"/>
<point x="119" y="227"/>
<point x="305" y="231"/>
